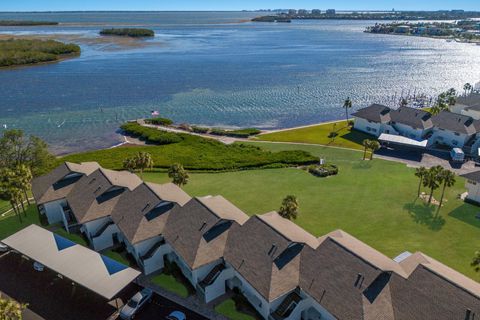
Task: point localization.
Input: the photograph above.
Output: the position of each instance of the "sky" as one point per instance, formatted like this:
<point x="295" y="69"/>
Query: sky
<point x="206" y="5"/>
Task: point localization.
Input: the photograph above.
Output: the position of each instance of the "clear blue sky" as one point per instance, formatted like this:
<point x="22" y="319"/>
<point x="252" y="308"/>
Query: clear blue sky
<point x="55" y="5"/>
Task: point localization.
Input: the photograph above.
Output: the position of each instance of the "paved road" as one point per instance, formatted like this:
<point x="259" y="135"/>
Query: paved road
<point x="52" y="298"/>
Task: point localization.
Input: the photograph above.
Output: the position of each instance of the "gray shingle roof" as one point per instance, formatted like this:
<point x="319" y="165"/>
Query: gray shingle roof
<point x="456" y="123"/>
<point x="474" y="176"/>
<point x="46" y="189"/>
<point x="187" y="229"/>
<point x="415" y="118"/>
<point x="256" y="251"/>
<point x="472" y="101"/>
<point x="132" y="213"/>
<point x="375" y="112"/>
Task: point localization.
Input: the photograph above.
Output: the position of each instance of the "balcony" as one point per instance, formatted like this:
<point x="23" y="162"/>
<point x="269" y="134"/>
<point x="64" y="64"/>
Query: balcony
<point x="152" y="251"/>
<point x="212" y="276"/>
<point x="287" y="306"/>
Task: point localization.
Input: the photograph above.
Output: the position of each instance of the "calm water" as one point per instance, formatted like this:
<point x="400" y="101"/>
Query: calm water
<point x="212" y="69"/>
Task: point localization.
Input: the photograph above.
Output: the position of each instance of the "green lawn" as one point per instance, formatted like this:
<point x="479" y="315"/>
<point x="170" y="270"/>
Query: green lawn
<point x="11" y="224"/>
<point x="119" y="257"/>
<point x="77" y="238"/>
<point x="171" y="284"/>
<point x="4" y="206"/>
<point x="374" y="201"/>
<point x="227" y="309"/>
<point x="319" y="134"/>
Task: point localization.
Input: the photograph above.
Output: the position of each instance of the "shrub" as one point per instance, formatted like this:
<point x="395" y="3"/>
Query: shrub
<point x="159" y="121"/>
<point x="243" y="133"/>
<point x="150" y="134"/>
<point x="200" y="129"/>
<point x="128" y="32"/>
<point x="218" y="132"/>
<point x="323" y="170"/>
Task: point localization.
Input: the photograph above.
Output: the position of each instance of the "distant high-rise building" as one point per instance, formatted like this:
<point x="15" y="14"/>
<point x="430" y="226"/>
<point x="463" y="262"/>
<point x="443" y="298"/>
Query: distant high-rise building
<point x="292" y="12"/>
<point x="316" y="12"/>
<point x="302" y="12"/>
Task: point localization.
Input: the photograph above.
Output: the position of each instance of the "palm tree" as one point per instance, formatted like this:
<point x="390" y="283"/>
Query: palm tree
<point x="432" y="181"/>
<point x="435" y="110"/>
<point x="476" y="262"/>
<point x="143" y="161"/>
<point x="10" y="309"/>
<point x="9" y="190"/>
<point x="130" y="164"/>
<point x="420" y="173"/>
<point x="24" y="179"/>
<point x="403" y="102"/>
<point x="446" y="177"/>
<point x="289" y="208"/>
<point x="178" y="174"/>
<point x="374" y="146"/>
<point x="467" y="88"/>
<point x="366" y="145"/>
<point x="347" y="104"/>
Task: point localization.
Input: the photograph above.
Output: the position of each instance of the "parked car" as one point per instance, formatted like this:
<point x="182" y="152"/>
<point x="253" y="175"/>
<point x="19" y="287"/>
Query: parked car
<point x="176" y="315"/>
<point x="3" y="247"/>
<point x="137" y="302"/>
<point x="38" y="266"/>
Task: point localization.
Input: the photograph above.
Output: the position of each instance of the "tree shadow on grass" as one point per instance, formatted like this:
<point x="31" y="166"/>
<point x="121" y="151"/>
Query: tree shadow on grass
<point x="425" y="214"/>
<point x="364" y="164"/>
<point x="356" y="136"/>
<point x="466" y="213"/>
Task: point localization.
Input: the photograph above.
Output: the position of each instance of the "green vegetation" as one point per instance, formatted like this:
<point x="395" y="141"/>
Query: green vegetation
<point x="128" y="32"/>
<point x="321" y="134"/>
<point x="228" y="309"/>
<point x="26" y="23"/>
<point x="240" y="133"/>
<point x="15" y="52"/>
<point x="159" y="121"/>
<point x="323" y="170"/>
<point x="178" y="174"/>
<point x="11" y="309"/>
<point x="151" y="135"/>
<point x="119" y="255"/>
<point x="77" y="238"/>
<point x="201" y="130"/>
<point x="10" y="224"/>
<point x="141" y="161"/>
<point x="171" y="284"/>
<point x="196" y="153"/>
<point x="382" y="194"/>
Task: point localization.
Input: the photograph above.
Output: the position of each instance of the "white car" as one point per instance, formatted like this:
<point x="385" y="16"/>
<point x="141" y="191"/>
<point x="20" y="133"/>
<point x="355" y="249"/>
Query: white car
<point x="3" y="247"/>
<point x="134" y="305"/>
<point x="176" y="315"/>
<point x="38" y="266"/>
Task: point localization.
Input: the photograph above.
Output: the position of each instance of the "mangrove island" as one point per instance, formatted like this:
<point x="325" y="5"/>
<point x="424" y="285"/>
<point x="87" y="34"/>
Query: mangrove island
<point x="17" y="52"/>
<point x="26" y="23"/>
<point x="128" y="32"/>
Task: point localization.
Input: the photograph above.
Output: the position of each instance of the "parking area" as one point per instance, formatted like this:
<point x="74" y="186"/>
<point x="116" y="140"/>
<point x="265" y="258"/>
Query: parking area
<point x="51" y="297"/>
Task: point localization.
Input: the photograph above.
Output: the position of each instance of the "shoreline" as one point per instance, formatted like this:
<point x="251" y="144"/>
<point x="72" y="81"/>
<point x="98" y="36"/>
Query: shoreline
<point x="61" y="58"/>
<point x="454" y="39"/>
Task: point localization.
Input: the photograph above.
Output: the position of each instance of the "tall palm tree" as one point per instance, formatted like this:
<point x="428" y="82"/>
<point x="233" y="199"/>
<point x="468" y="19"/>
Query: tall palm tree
<point x="476" y="262"/>
<point x="467" y="88"/>
<point x="420" y="173"/>
<point x="144" y="161"/>
<point x="366" y="145"/>
<point x="130" y="164"/>
<point x="289" y="208"/>
<point x="446" y="177"/>
<point x="347" y="104"/>
<point x="432" y="180"/>
<point x="178" y="174"/>
<point x="24" y="179"/>
<point x="374" y="146"/>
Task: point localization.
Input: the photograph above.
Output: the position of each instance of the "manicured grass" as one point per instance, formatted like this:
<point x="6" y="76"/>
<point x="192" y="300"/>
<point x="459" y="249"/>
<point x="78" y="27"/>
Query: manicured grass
<point x="227" y="309"/>
<point x="171" y="284"/>
<point x="119" y="257"/>
<point x="11" y="224"/>
<point x="77" y="238"/>
<point x="196" y="153"/>
<point x="4" y="206"/>
<point x="345" y="138"/>
<point x="374" y="201"/>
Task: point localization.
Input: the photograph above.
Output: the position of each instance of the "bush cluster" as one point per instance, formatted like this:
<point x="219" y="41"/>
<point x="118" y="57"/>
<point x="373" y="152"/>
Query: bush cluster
<point x="16" y="23"/>
<point x="240" y="133"/>
<point x="323" y="170"/>
<point x="151" y="135"/>
<point x="128" y="32"/>
<point x="159" y="121"/>
<point x="20" y="51"/>
<point x="200" y="129"/>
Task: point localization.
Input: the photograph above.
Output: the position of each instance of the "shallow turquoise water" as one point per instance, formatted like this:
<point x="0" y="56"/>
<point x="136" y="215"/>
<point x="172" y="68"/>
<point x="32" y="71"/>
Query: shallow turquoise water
<point x="210" y="69"/>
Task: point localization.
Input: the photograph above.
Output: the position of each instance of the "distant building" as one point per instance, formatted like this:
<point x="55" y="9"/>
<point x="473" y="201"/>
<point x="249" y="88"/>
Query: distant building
<point x="331" y="12"/>
<point x="403" y="29"/>
<point x="292" y="12"/>
<point x="302" y="12"/>
<point x="473" y="186"/>
<point x="316" y="12"/>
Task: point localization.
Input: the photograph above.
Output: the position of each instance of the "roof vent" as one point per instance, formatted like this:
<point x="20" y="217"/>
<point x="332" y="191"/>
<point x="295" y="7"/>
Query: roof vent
<point x="359" y="281"/>
<point x="146" y="207"/>
<point x="203" y="226"/>
<point x="98" y="189"/>
<point x="92" y="181"/>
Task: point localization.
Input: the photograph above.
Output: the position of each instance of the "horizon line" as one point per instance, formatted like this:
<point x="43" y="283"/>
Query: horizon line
<point x="242" y="10"/>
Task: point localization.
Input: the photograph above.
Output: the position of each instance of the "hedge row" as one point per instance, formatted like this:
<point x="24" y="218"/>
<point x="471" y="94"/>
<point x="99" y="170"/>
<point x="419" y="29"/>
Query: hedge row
<point x="323" y="170"/>
<point x="151" y="135"/>
<point x="159" y="121"/>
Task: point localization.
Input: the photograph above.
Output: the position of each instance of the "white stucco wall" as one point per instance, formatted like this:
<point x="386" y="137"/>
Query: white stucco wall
<point x="255" y="299"/>
<point x="54" y="211"/>
<point x="473" y="189"/>
<point x="471" y="113"/>
<point x="409" y="132"/>
<point x="91" y="227"/>
<point x="218" y="287"/>
<point x="105" y="240"/>
<point x="449" y="138"/>
<point x="363" y="125"/>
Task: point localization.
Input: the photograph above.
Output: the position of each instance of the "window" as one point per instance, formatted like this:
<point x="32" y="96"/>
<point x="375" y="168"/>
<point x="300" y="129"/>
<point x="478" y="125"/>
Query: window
<point x="369" y="129"/>
<point x="472" y="182"/>
<point x="454" y="142"/>
<point x="456" y="133"/>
